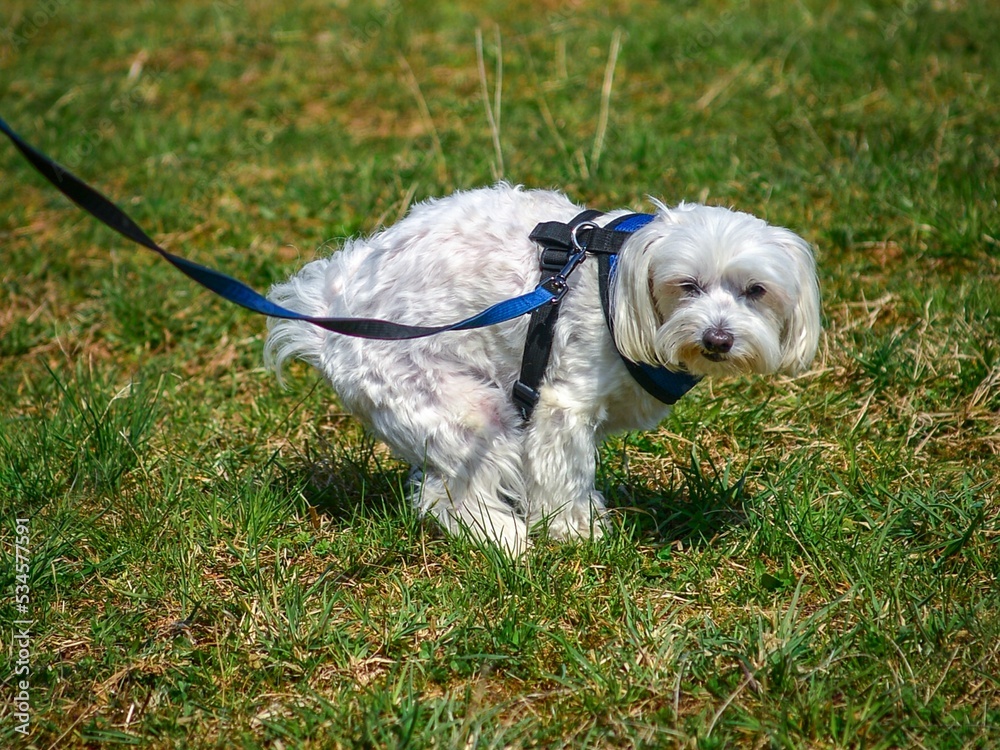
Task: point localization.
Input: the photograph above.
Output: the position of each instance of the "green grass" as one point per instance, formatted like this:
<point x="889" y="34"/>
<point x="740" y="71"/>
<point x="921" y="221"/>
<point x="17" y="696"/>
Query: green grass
<point x="215" y="562"/>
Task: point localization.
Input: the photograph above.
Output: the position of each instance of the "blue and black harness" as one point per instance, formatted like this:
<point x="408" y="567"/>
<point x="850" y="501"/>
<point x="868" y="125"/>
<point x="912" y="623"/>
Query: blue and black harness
<point x="564" y="248"/>
<point x="561" y="243"/>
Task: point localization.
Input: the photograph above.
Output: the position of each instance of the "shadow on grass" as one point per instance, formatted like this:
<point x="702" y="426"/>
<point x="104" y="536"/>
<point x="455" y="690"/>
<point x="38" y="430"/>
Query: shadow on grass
<point x="349" y="482"/>
<point x="354" y="489"/>
<point x="705" y="503"/>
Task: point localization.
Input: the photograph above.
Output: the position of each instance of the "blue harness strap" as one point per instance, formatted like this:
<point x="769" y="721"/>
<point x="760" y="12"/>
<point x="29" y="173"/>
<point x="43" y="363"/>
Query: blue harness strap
<point x="662" y="384"/>
<point x="102" y="209"/>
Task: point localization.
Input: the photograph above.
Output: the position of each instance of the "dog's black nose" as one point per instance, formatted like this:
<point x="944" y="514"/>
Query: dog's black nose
<point x="717" y="341"/>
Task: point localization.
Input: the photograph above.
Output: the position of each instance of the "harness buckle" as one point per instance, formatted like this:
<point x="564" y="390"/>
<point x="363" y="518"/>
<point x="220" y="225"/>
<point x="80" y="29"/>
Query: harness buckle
<point x="525" y="397"/>
<point x="553" y="259"/>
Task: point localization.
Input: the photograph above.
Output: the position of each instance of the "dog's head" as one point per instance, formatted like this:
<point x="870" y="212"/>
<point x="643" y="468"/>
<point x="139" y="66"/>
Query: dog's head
<point x="716" y="292"/>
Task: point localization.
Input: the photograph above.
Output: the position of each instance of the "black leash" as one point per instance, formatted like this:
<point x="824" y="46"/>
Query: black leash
<point x="102" y="209"/>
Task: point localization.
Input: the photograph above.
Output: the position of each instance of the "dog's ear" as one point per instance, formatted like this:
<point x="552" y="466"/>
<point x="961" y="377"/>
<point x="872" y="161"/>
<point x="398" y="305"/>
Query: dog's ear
<point x="636" y="320"/>
<point x="800" y="336"/>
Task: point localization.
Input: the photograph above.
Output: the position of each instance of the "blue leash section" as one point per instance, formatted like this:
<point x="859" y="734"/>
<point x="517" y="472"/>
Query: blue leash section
<point x="102" y="209"/>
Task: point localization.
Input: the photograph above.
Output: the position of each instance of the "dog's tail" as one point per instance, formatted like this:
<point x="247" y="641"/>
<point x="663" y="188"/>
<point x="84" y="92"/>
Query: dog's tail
<point x="306" y="292"/>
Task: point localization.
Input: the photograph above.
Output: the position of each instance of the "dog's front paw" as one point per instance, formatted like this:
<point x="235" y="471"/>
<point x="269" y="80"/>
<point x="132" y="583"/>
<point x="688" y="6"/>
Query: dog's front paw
<point x="581" y="520"/>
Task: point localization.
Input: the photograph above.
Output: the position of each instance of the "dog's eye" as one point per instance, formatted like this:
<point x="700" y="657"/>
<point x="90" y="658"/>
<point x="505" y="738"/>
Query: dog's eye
<point x="754" y="291"/>
<point x="690" y="288"/>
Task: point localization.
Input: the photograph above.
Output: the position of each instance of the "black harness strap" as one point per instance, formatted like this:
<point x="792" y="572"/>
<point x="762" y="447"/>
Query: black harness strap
<point x="555" y="240"/>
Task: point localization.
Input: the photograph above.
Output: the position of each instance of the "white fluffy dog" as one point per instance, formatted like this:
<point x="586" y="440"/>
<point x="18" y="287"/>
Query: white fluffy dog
<point x="700" y="289"/>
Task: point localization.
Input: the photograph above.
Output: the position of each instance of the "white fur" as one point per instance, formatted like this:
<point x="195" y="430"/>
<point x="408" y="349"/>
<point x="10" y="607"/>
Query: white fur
<point x="443" y="403"/>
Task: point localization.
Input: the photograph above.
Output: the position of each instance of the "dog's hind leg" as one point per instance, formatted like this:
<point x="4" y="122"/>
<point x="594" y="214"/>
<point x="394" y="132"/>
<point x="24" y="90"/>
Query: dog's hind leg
<point x="560" y="457"/>
<point x="480" y="504"/>
<point x="464" y="435"/>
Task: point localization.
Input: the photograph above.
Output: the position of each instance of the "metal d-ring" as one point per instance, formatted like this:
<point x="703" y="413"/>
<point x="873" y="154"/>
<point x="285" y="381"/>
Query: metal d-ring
<point x="588" y="225"/>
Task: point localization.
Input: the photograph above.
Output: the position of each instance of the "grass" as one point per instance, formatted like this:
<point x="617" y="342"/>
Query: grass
<point x="215" y="562"/>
